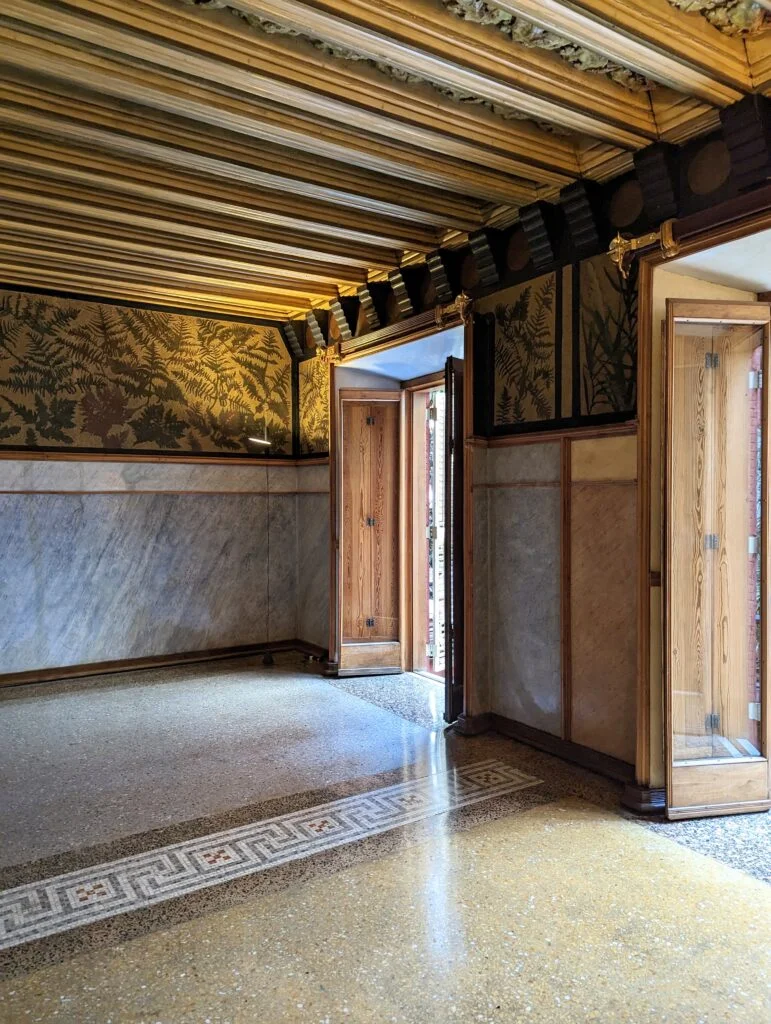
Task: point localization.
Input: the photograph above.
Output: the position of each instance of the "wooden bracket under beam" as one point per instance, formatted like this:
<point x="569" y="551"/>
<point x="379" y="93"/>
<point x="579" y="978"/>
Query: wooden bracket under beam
<point x="444" y="275"/>
<point x="485" y="248"/>
<point x="294" y="333"/>
<point x="657" y="171"/>
<point x="345" y="313"/>
<point x="582" y="205"/>
<point x="541" y="224"/>
<point x="373" y="298"/>
<point x="318" y="326"/>
<point x="747" y="132"/>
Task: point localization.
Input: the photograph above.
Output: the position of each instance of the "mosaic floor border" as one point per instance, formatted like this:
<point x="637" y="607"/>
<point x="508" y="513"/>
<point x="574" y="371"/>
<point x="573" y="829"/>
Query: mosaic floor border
<point x="53" y="905"/>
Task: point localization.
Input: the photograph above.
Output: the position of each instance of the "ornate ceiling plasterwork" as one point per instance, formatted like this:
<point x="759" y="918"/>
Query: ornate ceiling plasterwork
<point x="734" y="17"/>
<point x="524" y="32"/>
<point x="343" y="53"/>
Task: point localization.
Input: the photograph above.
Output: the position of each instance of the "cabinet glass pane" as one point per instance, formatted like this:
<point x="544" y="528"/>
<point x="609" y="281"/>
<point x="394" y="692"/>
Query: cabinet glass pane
<point x="716" y="505"/>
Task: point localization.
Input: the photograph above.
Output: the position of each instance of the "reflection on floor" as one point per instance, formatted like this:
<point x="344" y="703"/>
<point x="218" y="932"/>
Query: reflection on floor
<point x="293" y="850"/>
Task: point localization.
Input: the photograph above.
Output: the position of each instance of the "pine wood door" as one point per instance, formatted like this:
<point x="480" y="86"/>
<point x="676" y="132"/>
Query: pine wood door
<point x="370" y="521"/>
<point x="716" y="558"/>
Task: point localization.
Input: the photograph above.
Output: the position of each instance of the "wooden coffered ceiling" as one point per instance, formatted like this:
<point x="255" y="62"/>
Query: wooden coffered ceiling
<point x="262" y="157"/>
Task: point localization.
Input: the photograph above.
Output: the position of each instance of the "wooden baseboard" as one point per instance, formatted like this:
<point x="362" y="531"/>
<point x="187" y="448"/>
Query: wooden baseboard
<point x="99" y="668"/>
<point x="595" y="761"/>
<point x="644" y="799"/>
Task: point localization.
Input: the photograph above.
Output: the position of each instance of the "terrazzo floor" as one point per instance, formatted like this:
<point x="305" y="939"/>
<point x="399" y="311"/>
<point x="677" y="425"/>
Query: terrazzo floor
<point x="536" y="901"/>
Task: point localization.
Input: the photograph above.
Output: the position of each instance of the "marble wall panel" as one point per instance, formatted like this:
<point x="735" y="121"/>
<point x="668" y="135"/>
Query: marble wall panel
<point x="603" y="612"/>
<point x="479" y="691"/>
<point x="313" y="568"/>
<point x="41" y="475"/>
<point x="99" y="577"/>
<point x="524" y="463"/>
<point x="281" y="557"/>
<point x="524" y="605"/>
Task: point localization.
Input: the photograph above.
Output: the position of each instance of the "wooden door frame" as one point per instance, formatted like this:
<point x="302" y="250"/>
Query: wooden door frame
<point x="703" y="311"/>
<point x="702" y="237"/>
<point x="412" y="388"/>
<point x="444" y="318"/>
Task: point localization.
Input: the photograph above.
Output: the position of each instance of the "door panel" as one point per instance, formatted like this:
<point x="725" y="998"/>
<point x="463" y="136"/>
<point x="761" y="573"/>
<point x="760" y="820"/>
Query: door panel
<point x="691" y="648"/>
<point x="357" y="458"/>
<point x="716" y="693"/>
<point x="384" y="534"/>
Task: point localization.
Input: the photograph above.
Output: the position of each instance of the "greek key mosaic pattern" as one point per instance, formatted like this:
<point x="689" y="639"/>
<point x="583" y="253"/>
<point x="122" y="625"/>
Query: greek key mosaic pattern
<point x="78" y="898"/>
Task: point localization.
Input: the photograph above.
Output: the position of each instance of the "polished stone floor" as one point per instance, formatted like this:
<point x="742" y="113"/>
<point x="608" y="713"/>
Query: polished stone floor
<point x="424" y="876"/>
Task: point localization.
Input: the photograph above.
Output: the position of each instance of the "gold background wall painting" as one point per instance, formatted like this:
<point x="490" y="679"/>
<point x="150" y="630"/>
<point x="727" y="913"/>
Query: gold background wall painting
<point x="82" y="374"/>
<point x="314" y="406"/>
<point x="607" y="338"/>
<point x="525" y="351"/>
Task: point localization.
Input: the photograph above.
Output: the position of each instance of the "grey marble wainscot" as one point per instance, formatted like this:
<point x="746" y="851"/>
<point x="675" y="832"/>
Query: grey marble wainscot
<point x="524" y="584"/>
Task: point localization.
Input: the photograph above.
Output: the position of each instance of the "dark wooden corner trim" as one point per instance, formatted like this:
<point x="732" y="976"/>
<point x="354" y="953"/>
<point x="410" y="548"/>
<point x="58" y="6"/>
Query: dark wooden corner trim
<point x="99" y="668"/>
<point x="644" y="799"/>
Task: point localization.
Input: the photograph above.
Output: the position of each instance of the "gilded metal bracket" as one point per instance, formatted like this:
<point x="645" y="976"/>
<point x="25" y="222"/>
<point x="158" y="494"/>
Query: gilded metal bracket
<point x="622" y="247"/>
<point x="329" y="355"/>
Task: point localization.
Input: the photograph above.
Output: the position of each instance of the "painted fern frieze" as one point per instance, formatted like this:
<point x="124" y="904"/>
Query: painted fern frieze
<point x="83" y="374"/>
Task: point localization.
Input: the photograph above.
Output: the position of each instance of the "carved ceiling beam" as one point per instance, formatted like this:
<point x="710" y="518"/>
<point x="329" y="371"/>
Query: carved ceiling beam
<point x="429" y="42"/>
<point x="87" y="241"/>
<point x="151" y="183"/>
<point x="328" y="140"/>
<point x="16" y="272"/>
<point x="254" y="288"/>
<point x="669" y="62"/>
<point x="177" y="143"/>
<point x="348" y="92"/>
<point x="39" y="196"/>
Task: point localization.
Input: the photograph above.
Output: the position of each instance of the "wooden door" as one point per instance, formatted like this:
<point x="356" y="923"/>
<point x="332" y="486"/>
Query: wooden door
<point x="716" y="558"/>
<point x="369" y="531"/>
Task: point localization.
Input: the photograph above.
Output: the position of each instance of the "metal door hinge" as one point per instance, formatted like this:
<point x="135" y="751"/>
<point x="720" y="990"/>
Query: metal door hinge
<point x="754" y="380"/>
<point x="370" y="421"/>
<point x="370" y="521"/>
<point x="432" y="532"/>
<point x="369" y="622"/>
<point x="712" y="360"/>
<point x="752" y="545"/>
<point x="432" y="412"/>
<point x="431" y="651"/>
<point x="753" y="710"/>
<point x="712" y="720"/>
<point x="711" y="541"/>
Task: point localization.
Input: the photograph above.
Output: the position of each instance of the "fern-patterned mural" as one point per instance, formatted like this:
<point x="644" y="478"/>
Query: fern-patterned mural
<point x="525" y="351"/>
<point x="314" y="406"/>
<point x="82" y="374"/>
<point x="607" y="338"/>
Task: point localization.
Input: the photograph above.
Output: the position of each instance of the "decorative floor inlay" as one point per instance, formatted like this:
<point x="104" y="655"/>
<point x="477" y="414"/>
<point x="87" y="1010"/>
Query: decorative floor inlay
<point x="77" y="898"/>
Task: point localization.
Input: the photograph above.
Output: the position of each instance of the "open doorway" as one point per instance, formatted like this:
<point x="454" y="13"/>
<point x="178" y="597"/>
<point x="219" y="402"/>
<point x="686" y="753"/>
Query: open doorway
<point x="398" y="483"/>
